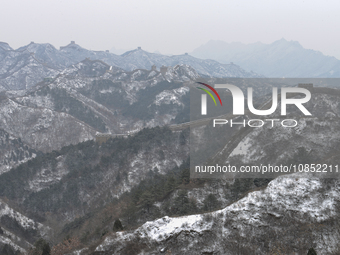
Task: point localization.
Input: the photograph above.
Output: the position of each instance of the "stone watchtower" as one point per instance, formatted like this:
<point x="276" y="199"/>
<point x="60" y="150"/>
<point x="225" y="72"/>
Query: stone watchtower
<point x="163" y="70"/>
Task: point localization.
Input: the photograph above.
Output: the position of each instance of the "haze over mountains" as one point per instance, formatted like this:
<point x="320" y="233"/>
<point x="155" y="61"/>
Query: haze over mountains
<point x="281" y="58"/>
<point x="24" y="67"/>
<point x="30" y="64"/>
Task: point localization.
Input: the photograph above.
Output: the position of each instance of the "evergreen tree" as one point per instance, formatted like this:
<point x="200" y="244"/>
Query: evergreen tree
<point x="147" y="200"/>
<point x="41" y="247"/>
<point x="7" y="250"/>
<point x="117" y="225"/>
<point x="185" y="176"/>
<point x="181" y="205"/>
<point x="170" y="184"/>
<point x="311" y="251"/>
<point x="211" y="202"/>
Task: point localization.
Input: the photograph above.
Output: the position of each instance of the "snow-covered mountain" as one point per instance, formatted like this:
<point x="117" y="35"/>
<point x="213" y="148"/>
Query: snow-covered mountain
<point x="87" y="98"/>
<point x="291" y="215"/>
<point x="106" y="172"/>
<point x="316" y="137"/>
<point x="141" y="59"/>
<point x="19" y="231"/>
<point x="20" y="70"/>
<point x="77" y="53"/>
<point x="281" y="58"/>
<point x="42" y="128"/>
<point x="5" y="46"/>
<point x="13" y="152"/>
<point x="30" y="64"/>
<point x="68" y="184"/>
<point x="48" y="54"/>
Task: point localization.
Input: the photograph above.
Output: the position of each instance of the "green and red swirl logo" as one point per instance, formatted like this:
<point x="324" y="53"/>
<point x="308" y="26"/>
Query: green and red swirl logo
<point x="208" y="92"/>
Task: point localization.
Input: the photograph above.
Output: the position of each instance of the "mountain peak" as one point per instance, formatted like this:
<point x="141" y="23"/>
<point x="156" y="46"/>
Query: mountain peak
<point x="71" y="45"/>
<point x="283" y="41"/>
<point x="281" y="58"/>
<point x="37" y="47"/>
<point x="5" y="46"/>
<point x="138" y="50"/>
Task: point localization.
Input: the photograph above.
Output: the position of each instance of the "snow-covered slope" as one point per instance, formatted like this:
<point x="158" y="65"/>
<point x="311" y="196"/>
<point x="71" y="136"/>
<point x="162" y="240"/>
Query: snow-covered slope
<point x="47" y="54"/>
<point x="315" y="137"/>
<point x="80" y="179"/>
<point x="13" y="151"/>
<point x="20" y="70"/>
<point x="19" y="231"/>
<point x="30" y="64"/>
<point x="110" y="95"/>
<point x="42" y="128"/>
<point x="5" y="46"/>
<point x="291" y="215"/>
<point x="91" y="97"/>
<point x="141" y="59"/>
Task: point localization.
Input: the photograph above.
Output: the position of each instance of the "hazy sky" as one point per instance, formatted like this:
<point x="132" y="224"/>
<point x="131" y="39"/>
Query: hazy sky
<point x="171" y="27"/>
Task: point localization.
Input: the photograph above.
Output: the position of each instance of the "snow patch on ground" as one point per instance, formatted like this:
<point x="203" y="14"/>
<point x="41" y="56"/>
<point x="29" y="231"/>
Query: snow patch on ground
<point x="171" y="96"/>
<point x="294" y="194"/>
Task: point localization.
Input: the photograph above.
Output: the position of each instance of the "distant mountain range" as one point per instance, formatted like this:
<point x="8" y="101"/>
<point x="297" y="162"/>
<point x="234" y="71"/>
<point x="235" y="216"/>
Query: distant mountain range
<point x="60" y="181"/>
<point x="281" y="58"/>
<point x="24" y="67"/>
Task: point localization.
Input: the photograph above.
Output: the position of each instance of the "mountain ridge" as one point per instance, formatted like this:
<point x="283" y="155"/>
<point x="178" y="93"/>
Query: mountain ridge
<point x="24" y="67"/>
<point x="281" y="58"/>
